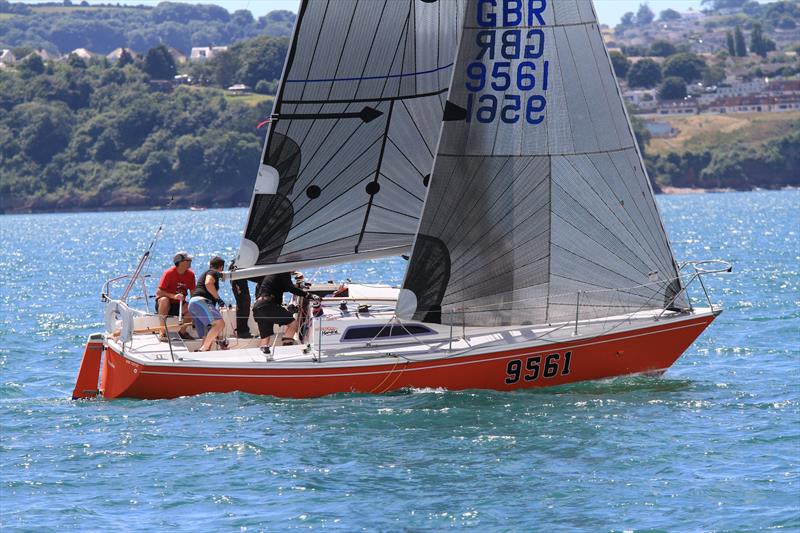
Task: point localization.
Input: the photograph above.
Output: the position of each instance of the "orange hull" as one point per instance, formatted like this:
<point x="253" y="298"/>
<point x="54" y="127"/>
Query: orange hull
<point x="645" y="350"/>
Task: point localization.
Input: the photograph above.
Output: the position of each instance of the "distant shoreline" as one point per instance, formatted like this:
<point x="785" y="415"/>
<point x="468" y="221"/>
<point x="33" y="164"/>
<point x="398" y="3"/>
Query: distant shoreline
<point x="668" y="191"/>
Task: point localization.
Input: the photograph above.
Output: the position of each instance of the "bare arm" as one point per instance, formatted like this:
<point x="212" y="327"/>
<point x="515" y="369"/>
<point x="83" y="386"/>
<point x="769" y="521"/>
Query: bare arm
<point x="160" y="293"/>
<point x="212" y="289"/>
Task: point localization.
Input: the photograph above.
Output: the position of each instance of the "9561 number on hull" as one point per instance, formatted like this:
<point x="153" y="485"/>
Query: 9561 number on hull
<point x="538" y="366"/>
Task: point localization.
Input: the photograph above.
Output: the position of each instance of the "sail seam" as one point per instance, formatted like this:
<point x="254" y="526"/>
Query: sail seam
<point x="401" y="187"/>
<point x="416" y="127"/>
<point x="636" y="203"/>
<point x="553" y="154"/>
<point x="600" y="198"/>
<point x="549" y="237"/>
<point x="499" y="197"/>
<point x="649" y="251"/>
<point x="377" y="174"/>
<point x="366" y="78"/>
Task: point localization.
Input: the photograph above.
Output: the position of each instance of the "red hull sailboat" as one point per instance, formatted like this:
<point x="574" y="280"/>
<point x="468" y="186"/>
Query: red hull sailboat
<point x="488" y="143"/>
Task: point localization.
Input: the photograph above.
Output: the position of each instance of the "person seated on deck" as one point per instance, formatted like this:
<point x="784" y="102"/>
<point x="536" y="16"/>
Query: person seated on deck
<point x="173" y="288"/>
<point x="203" y="304"/>
<point x="268" y="311"/>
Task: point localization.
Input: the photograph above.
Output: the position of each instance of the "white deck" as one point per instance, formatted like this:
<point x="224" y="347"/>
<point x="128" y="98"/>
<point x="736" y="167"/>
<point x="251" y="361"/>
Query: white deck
<point x="444" y="341"/>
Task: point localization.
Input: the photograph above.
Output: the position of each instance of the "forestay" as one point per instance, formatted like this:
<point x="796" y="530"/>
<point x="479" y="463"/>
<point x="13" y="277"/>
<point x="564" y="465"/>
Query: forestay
<point x="538" y="191"/>
<point x="354" y="129"/>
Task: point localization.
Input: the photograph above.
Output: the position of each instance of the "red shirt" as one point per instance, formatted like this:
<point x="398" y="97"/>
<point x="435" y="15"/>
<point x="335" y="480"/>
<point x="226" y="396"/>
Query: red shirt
<point x="172" y="282"/>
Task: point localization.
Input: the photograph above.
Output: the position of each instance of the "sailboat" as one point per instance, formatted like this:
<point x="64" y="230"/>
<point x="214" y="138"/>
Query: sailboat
<point x="488" y="143"/>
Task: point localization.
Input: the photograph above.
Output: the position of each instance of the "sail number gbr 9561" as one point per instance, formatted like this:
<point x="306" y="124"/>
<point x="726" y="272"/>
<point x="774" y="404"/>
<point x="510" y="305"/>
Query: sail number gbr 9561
<point x="507" y="79"/>
<point x="538" y="366"/>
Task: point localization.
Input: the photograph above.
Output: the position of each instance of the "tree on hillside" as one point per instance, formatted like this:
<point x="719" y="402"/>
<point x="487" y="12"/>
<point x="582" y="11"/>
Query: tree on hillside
<point x="225" y="68"/>
<point x="713" y="75"/>
<point x="159" y="63"/>
<point x="125" y="59"/>
<point x="672" y="88"/>
<point x="758" y="43"/>
<point x="725" y="4"/>
<point x="644" y="15"/>
<point x="669" y="14"/>
<point x="688" y="66"/>
<point x="32" y="65"/>
<point x="627" y="19"/>
<point x="740" y="46"/>
<point x="620" y="63"/>
<point x="645" y="73"/>
<point x="662" y="48"/>
<point x="730" y="44"/>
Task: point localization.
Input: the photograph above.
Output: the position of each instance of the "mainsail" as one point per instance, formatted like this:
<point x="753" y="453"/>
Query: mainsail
<point x="353" y="133"/>
<point x="538" y="195"/>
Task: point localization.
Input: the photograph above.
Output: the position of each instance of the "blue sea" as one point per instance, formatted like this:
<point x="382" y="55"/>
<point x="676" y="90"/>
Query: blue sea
<point x="713" y="445"/>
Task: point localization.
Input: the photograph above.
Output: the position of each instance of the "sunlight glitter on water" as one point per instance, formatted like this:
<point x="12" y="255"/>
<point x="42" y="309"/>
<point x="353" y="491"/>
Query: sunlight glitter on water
<point x="710" y="446"/>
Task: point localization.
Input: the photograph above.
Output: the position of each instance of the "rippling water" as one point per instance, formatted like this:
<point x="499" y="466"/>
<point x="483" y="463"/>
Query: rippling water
<point x="712" y="445"/>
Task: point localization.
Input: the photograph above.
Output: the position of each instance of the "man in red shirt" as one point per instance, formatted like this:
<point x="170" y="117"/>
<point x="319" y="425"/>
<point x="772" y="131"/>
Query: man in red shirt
<point x="173" y="289"/>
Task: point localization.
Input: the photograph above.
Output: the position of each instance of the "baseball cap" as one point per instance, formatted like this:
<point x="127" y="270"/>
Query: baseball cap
<point x="181" y="256"/>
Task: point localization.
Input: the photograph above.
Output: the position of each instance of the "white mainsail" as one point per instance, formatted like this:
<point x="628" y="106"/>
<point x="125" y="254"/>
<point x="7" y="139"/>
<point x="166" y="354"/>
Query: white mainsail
<point x="354" y="132"/>
<point x="538" y="191"/>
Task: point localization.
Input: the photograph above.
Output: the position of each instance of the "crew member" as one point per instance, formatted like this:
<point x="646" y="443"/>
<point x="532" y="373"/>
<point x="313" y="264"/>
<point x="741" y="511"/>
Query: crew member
<point x="203" y="305"/>
<point x="172" y="292"/>
<point x="268" y="311"/>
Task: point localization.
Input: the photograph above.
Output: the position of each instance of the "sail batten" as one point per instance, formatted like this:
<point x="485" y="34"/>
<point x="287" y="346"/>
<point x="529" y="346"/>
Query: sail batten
<point x="538" y="193"/>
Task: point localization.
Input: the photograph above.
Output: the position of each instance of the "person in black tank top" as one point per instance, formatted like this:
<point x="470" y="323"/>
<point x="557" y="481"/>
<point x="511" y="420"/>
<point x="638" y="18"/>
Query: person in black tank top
<point x="203" y="305"/>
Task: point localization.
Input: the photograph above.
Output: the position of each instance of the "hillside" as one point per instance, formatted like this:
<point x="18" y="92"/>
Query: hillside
<point x="132" y="132"/>
<point x="706" y="132"/>
<point x="60" y="29"/>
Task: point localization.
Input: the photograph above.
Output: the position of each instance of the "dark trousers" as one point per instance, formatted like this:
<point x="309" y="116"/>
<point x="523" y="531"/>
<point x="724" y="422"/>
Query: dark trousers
<point x="241" y="292"/>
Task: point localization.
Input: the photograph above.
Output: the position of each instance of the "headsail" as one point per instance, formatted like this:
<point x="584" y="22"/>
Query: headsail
<point x="354" y="131"/>
<point x="538" y="190"/>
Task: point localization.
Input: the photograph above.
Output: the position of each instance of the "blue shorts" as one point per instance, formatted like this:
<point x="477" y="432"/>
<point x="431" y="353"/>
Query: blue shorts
<point x="203" y="313"/>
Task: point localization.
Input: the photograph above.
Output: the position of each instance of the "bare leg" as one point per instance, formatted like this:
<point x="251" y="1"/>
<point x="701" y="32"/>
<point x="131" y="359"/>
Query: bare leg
<point x="163" y="311"/>
<point x="291" y="330"/>
<point x="216" y="328"/>
<point x="186" y="319"/>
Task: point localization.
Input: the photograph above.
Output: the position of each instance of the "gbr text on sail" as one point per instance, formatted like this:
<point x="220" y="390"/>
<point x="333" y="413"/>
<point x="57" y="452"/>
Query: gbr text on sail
<point x="507" y="79"/>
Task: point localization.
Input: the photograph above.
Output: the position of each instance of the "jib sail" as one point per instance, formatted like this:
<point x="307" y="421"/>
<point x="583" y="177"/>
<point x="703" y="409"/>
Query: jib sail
<point x="538" y="193"/>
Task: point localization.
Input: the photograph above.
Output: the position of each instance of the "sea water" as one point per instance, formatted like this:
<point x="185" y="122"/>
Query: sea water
<point x="714" y="444"/>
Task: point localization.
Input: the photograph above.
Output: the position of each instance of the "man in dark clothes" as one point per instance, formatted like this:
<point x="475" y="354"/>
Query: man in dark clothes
<point x="268" y="310"/>
<point x="241" y="292"/>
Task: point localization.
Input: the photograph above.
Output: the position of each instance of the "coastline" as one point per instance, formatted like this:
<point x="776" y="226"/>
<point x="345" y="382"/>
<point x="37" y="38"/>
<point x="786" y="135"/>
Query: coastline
<point x="180" y="205"/>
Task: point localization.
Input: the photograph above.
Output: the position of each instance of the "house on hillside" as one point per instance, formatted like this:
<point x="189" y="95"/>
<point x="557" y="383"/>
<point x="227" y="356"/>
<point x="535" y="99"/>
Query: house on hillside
<point x="176" y="54"/>
<point x="756" y="104"/>
<point x="45" y="55"/>
<point x="742" y="88"/>
<point x="643" y="99"/>
<point x="204" y="53"/>
<point x="83" y="53"/>
<point x="678" y="107"/>
<point x="115" y="54"/>
<point x="240" y="89"/>
<point x="7" y="57"/>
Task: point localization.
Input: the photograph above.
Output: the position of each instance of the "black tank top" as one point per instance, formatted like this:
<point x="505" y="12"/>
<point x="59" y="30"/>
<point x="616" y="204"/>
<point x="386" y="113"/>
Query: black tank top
<point x="201" y="289"/>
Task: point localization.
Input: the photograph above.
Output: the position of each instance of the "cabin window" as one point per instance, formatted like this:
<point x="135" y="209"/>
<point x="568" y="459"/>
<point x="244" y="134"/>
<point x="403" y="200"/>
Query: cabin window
<point x="361" y="333"/>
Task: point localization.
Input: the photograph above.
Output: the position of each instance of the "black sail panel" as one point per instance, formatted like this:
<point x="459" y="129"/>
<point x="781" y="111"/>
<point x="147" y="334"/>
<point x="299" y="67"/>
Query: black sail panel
<point x="538" y="196"/>
<point x="354" y="130"/>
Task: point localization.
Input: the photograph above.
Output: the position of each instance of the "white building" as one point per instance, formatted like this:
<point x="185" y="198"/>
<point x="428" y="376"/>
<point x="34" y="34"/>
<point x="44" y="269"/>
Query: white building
<point x="83" y="53"/>
<point x="743" y="88"/>
<point x="204" y="53"/>
<point x="7" y="57"/>
<point x="643" y="99"/>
